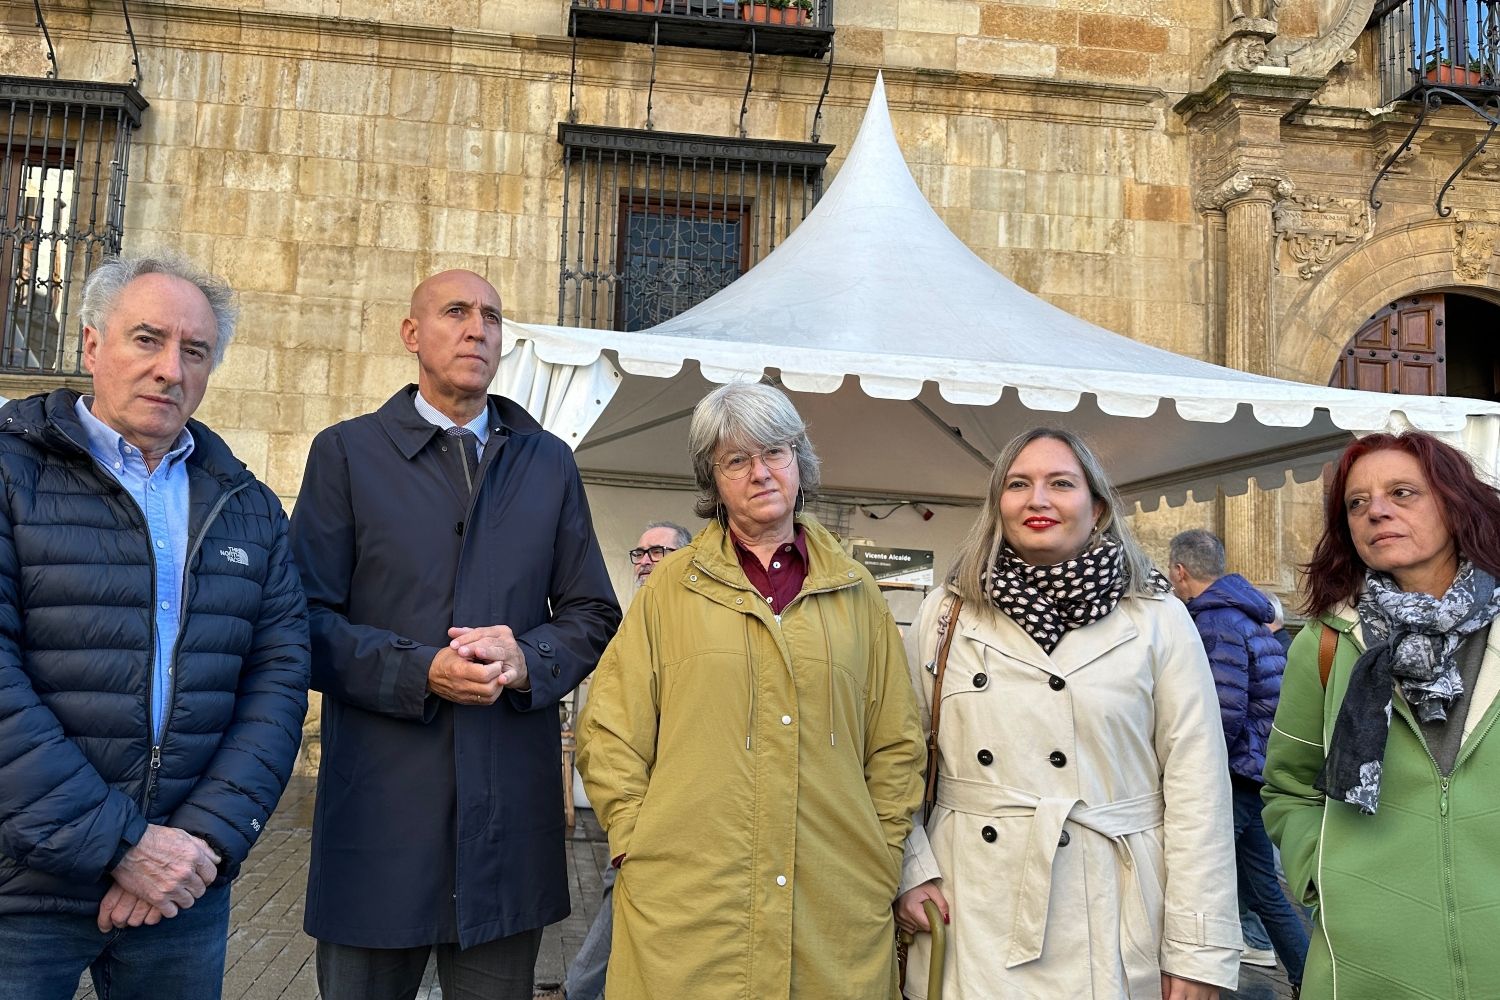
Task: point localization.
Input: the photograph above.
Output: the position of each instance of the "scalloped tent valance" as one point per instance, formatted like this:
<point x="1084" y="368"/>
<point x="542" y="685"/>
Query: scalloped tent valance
<point x="913" y="361"/>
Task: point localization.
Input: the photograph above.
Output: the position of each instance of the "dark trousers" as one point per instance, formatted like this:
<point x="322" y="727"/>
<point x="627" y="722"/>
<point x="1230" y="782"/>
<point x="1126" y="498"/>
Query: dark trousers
<point x="43" y="955"/>
<point x="496" y="970"/>
<point x="1260" y="889"/>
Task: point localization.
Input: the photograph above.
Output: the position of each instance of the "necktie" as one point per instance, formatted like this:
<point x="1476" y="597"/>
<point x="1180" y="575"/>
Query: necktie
<point x="467" y="446"/>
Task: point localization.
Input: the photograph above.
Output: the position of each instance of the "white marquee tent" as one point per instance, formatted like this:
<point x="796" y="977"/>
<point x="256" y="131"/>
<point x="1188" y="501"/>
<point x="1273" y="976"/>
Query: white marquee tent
<point x="913" y="361"/>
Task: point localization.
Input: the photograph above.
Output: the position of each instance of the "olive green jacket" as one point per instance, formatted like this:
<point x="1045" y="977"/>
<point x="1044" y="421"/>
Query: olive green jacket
<point x="758" y="776"/>
<point x="1408" y="900"/>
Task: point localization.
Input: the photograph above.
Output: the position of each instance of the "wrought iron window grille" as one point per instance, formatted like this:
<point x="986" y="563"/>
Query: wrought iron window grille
<point x="757" y="27"/>
<point x="654" y="223"/>
<point x="1437" y="53"/>
<point x="781" y="27"/>
<point x="64" y="164"/>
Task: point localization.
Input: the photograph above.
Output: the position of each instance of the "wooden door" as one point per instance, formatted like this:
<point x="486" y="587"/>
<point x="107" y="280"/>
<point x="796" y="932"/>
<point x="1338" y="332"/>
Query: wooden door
<point x="1401" y="349"/>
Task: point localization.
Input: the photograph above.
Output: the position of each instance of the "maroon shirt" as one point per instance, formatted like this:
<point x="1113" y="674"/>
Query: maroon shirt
<point x="783" y="579"/>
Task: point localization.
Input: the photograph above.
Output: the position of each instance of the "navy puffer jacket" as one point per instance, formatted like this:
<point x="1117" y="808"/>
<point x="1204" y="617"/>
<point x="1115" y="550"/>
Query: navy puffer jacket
<point x="1247" y="661"/>
<point x="77" y="780"/>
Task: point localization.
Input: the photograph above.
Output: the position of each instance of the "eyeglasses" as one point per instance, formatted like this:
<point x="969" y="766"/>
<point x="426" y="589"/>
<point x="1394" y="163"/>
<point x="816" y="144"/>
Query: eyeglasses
<point x="736" y="465"/>
<point x="656" y="552"/>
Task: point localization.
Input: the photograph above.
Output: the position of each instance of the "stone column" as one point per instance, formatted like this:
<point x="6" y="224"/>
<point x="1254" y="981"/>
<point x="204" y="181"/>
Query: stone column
<point x="1251" y="524"/>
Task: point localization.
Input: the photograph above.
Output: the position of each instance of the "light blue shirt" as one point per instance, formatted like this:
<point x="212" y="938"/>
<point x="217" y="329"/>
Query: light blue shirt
<point x="162" y="495"/>
<point x="480" y="425"/>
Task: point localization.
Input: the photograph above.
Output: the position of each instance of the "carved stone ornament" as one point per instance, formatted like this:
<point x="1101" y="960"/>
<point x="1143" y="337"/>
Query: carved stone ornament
<point x="1312" y="229"/>
<point x="1316" y="58"/>
<point x="1474" y="249"/>
<point x="1244" y="185"/>
<point x="1485" y="166"/>
<point x="1403" y="162"/>
<point x="1254" y="10"/>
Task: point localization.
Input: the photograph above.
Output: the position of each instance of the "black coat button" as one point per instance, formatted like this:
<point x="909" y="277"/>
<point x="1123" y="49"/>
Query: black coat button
<point x="989" y="834"/>
<point x="1057" y="683"/>
<point x="980" y="680"/>
<point x="1058" y="758"/>
<point x="556" y="670"/>
<point x="544" y="646"/>
<point x="986" y="758"/>
<point x="1062" y="841"/>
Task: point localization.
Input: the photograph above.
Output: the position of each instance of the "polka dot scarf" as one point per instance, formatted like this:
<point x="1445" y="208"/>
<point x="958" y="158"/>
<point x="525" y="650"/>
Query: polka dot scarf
<point x="1049" y="601"/>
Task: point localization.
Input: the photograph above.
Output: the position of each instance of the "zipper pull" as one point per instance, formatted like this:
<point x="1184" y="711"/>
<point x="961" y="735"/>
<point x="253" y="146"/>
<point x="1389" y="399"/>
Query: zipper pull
<point x="156" y="758"/>
<point x="1443" y="800"/>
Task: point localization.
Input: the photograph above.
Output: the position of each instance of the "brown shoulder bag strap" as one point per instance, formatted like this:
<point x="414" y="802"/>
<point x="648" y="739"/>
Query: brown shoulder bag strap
<point x="929" y="794"/>
<point x="1327" y="642"/>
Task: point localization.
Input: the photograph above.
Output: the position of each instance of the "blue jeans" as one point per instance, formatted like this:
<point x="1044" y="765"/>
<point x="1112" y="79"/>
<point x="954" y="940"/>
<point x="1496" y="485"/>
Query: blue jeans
<point x="585" y="980"/>
<point x="1260" y="890"/>
<point x="1251" y="929"/>
<point x="43" y="955"/>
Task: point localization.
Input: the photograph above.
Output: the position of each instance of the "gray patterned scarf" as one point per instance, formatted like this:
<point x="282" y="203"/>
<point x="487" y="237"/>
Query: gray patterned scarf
<point x="1050" y="601"/>
<point x="1413" y="638"/>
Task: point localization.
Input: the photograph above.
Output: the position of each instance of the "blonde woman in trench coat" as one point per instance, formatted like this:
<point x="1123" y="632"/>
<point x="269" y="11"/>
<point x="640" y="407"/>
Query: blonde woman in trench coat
<point x="1082" y="842"/>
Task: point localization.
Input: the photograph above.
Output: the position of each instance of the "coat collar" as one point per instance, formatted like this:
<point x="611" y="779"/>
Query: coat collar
<point x="828" y="568"/>
<point x="49" y="421"/>
<point x="411" y="433"/>
<point x="1078" y="648"/>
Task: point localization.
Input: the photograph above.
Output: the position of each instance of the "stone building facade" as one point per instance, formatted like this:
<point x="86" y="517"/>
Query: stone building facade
<point x="1195" y="174"/>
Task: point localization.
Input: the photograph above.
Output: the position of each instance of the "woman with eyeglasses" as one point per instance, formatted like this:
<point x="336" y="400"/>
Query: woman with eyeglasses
<point x="1082" y="841"/>
<point x="750" y="742"/>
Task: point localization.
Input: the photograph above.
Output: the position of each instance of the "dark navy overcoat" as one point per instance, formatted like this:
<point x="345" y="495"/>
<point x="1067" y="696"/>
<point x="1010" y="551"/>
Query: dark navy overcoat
<point x="438" y="822"/>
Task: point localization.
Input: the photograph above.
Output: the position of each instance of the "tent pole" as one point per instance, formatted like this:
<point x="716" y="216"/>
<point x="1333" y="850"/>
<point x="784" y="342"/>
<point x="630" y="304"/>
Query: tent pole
<point x="953" y="434"/>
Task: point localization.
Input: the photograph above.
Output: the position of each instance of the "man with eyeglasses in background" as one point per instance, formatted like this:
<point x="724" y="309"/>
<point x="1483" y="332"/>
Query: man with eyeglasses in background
<point x="585" y="978"/>
<point x="659" y="539"/>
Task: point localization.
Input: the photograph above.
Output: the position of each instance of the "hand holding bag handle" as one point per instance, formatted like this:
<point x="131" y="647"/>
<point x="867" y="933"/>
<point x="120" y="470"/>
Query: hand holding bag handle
<point x="939" y="956"/>
<point x="947" y="626"/>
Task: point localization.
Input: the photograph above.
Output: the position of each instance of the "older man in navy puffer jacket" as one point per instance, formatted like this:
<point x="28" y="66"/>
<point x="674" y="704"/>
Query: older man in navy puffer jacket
<point x="1247" y="660"/>
<point x="153" y="655"/>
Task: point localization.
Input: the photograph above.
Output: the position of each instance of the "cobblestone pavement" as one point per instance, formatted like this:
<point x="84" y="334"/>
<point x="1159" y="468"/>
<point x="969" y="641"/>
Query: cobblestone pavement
<point x="269" y="958"/>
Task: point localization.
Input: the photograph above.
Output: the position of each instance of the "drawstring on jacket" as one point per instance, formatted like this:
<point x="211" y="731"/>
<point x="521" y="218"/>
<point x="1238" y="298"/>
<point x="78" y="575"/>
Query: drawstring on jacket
<point x="750" y="672"/>
<point x="828" y="653"/>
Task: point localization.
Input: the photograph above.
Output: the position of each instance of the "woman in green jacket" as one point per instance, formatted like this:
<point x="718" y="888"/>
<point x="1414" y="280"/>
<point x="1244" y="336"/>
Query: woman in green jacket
<point x="1382" y="778"/>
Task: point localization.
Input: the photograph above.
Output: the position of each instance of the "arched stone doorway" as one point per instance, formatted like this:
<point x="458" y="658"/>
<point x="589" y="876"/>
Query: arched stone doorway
<point x="1315" y="321"/>
<point x="1431" y="343"/>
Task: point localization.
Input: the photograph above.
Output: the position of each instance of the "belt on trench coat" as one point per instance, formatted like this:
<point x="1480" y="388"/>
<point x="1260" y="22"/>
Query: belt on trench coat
<point x="1112" y="820"/>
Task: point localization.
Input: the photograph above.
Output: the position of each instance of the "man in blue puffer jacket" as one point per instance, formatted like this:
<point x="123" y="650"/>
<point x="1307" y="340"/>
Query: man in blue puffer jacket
<point x="153" y="655"/>
<point x="1232" y="618"/>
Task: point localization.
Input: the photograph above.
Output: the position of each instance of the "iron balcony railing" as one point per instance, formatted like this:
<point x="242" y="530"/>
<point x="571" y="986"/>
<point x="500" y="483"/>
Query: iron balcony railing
<point x="64" y="162"/>
<point x="654" y="223"/>
<point x="1425" y="45"/>
<point x="767" y="27"/>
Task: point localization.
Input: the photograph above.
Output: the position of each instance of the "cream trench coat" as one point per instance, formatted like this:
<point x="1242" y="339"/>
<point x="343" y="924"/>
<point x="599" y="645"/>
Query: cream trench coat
<point x="1084" y="831"/>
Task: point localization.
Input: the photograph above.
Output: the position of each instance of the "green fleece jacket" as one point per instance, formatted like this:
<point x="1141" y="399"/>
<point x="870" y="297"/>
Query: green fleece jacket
<point x="1408" y="900"/>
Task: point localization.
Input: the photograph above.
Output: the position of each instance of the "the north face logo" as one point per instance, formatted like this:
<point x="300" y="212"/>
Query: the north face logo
<point x="235" y="555"/>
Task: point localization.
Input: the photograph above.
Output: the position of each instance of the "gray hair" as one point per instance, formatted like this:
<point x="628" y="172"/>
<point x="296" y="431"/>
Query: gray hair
<point x="108" y="280"/>
<point x="976" y="554"/>
<point x="684" y="536"/>
<point x="749" y="414"/>
<point x="1279" y="621"/>
<point x="1199" y="552"/>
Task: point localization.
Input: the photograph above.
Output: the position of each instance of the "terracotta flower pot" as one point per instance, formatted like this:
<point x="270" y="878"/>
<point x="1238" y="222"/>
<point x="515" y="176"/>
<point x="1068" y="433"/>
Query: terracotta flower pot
<point x="1456" y="76"/>
<point x="763" y="14"/>
<point x="634" y="6"/>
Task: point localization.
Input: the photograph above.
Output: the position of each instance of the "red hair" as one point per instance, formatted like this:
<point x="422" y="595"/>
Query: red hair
<point x="1470" y="508"/>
